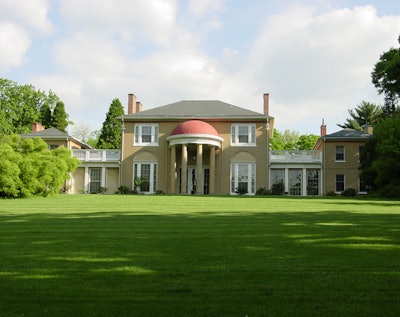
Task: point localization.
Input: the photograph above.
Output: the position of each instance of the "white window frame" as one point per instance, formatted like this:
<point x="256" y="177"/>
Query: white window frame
<point x="251" y="177"/>
<point x="138" y="134"/>
<point x="153" y="181"/>
<point x="336" y="153"/>
<point x="251" y="134"/>
<point x="336" y="182"/>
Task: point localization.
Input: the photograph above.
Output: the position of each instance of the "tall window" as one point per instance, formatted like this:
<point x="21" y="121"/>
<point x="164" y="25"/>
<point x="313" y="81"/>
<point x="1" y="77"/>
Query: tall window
<point x="95" y="180"/>
<point x="295" y="182"/>
<point x="339" y="183"/>
<point x="312" y="182"/>
<point x="146" y="134"/>
<point x="243" y="177"/>
<point x="147" y="174"/>
<point x="340" y="153"/>
<point x="277" y="176"/>
<point x="243" y="134"/>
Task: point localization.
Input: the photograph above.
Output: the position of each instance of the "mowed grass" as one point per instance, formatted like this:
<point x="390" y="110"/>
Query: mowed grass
<point x="100" y="255"/>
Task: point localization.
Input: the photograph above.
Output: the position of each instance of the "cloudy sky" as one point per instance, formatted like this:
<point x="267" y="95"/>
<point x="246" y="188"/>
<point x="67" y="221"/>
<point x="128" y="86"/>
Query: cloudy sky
<point x="314" y="57"/>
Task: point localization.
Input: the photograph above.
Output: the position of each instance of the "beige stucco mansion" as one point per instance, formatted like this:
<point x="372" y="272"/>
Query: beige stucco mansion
<point x="209" y="147"/>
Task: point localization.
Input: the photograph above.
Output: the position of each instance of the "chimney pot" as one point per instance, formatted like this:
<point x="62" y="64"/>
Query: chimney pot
<point x="323" y="128"/>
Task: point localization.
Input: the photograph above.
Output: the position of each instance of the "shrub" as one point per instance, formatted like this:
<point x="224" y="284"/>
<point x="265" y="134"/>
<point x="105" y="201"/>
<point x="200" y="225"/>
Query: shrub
<point x="241" y="190"/>
<point x="278" y="188"/>
<point x="349" y="192"/>
<point x="331" y="193"/>
<point x="263" y="191"/>
<point x="123" y="190"/>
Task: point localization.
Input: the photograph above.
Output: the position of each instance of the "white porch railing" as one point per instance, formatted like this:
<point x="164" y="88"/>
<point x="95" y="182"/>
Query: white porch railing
<point x="97" y="155"/>
<point x="295" y="156"/>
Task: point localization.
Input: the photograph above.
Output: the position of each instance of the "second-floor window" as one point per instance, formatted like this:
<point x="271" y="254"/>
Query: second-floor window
<point x="243" y="134"/>
<point x="146" y="134"/>
<point x="340" y="153"/>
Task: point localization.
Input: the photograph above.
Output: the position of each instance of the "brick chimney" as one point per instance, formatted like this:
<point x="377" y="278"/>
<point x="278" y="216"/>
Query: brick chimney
<point x="139" y="106"/>
<point x="131" y="103"/>
<point x="323" y="128"/>
<point x="36" y="127"/>
<point x="266" y="104"/>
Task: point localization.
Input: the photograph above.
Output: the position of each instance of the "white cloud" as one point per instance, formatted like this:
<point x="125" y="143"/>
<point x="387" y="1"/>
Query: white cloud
<point x="319" y="65"/>
<point x="30" y="14"/>
<point x="14" y="42"/>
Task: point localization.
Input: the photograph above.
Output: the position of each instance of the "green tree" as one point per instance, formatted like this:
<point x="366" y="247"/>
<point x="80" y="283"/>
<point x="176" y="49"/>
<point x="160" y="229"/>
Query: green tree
<point x="364" y="114"/>
<point x="381" y="160"/>
<point x="111" y="132"/>
<point x="292" y="140"/>
<point x="21" y="105"/>
<point x="386" y="78"/>
<point x="60" y="117"/>
<point x="46" y="116"/>
<point x="28" y="168"/>
<point x="307" y="141"/>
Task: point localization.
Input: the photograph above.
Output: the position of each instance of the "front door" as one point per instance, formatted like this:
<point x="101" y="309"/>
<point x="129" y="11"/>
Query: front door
<point x="191" y="180"/>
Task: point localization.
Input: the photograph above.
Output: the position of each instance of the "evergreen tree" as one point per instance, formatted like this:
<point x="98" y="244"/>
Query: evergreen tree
<point x="60" y="117"/>
<point x="364" y="114"/>
<point x="111" y="132"/>
<point x="46" y="116"/>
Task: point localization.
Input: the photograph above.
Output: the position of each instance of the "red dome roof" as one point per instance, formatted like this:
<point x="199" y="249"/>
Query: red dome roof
<point x="195" y="127"/>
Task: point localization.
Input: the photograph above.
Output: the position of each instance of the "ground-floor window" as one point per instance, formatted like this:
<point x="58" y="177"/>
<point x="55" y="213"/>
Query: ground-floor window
<point x="95" y="180"/>
<point x="243" y="178"/>
<point x="295" y="178"/>
<point x="339" y="183"/>
<point x="277" y="176"/>
<point x="363" y="186"/>
<point x="312" y="182"/>
<point x="146" y="173"/>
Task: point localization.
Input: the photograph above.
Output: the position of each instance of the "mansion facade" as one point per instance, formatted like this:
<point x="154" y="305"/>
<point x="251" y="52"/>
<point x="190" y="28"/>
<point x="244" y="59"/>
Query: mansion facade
<point x="210" y="147"/>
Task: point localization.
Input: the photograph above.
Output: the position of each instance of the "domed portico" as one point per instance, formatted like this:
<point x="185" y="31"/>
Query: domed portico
<point x="198" y="137"/>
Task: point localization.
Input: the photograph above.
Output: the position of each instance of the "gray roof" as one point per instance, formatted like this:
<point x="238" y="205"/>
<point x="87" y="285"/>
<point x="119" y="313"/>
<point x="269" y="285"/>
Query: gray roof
<point x="347" y="134"/>
<point x="54" y="134"/>
<point x="207" y="109"/>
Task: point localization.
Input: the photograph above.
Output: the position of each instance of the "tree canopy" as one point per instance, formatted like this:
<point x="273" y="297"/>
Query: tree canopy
<point x="386" y="78"/>
<point x="111" y="132"/>
<point x="363" y="115"/>
<point x="28" y="168"/>
<point x="292" y="140"/>
<point x="380" y="160"/>
<point x="22" y="105"/>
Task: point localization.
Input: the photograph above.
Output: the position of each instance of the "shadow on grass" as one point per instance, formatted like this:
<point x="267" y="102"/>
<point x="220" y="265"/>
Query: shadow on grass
<point x="203" y="264"/>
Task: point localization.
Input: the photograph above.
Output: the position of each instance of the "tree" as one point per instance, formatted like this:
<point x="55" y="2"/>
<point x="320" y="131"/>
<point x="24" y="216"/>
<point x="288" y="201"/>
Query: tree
<point x="82" y="132"/>
<point x="21" y="105"/>
<point x="386" y="78"/>
<point x="28" y="168"/>
<point x="46" y="116"/>
<point x="363" y="115"/>
<point x="111" y="132"/>
<point x="292" y="140"/>
<point x="381" y="161"/>
<point x="60" y="117"/>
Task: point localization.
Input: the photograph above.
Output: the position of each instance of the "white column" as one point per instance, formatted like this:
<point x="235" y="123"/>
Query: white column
<point x="172" y="170"/>
<point x="199" y="169"/>
<point x="184" y="169"/>
<point x="103" y="177"/>
<point x="304" y="182"/>
<point x="86" y="181"/>
<point x="212" y="171"/>
<point x="286" y="180"/>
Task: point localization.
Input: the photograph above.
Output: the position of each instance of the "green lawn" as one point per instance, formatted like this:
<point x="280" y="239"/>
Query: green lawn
<point x="100" y="255"/>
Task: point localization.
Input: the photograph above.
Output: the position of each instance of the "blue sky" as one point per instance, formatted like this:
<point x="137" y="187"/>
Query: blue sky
<point x="314" y="57"/>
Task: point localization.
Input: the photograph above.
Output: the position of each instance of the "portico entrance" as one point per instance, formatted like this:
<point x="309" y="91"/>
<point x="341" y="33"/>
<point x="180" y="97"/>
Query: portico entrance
<point x="193" y="147"/>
